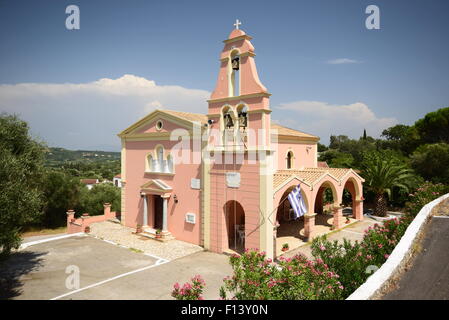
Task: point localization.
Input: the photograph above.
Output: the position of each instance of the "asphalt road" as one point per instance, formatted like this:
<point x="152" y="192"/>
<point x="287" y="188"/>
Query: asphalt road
<point x="428" y="278"/>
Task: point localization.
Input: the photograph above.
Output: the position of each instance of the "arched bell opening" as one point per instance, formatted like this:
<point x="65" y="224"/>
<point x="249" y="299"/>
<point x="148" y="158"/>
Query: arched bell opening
<point x="235" y="73"/>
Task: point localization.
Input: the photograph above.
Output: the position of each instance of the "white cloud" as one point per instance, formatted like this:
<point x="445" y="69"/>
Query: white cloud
<point x="89" y="115"/>
<point x="342" y="61"/>
<point x="323" y="119"/>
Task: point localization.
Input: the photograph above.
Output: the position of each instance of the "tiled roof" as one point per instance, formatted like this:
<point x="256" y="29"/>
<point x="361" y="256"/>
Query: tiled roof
<point x="188" y="115"/>
<point x="322" y="164"/>
<point x="310" y="176"/>
<point x="291" y="132"/>
<point x="89" y="181"/>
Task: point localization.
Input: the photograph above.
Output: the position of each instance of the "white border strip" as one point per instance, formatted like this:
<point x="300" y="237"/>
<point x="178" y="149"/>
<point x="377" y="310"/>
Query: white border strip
<point x="32" y="243"/>
<point x="158" y="263"/>
<point x="376" y="281"/>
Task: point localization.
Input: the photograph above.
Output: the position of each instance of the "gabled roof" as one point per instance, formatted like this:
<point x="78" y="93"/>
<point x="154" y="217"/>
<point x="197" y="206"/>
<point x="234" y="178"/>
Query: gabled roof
<point x="322" y="164"/>
<point x="186" y="119"/>
<point x="284" y="131"/>
<point x="194" y="117"/>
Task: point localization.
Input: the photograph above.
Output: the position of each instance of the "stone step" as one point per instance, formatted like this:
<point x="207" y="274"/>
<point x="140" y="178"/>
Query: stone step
<point x="152" y="235"/>
<point x="114" y="220"/>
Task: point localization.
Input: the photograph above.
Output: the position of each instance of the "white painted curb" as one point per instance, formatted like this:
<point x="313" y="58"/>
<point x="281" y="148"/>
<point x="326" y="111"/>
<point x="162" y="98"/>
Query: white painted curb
<point x="376" y="281"/>
<point x="31" y="243"/>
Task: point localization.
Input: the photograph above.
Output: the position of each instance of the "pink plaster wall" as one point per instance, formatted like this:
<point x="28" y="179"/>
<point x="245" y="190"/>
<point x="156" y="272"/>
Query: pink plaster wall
<point x="248" y="197"/>
<point x="75" y="225"/>
<point x="189" y="199"/>
<point x="151" y="127"/>
<point x="302" y="157"/>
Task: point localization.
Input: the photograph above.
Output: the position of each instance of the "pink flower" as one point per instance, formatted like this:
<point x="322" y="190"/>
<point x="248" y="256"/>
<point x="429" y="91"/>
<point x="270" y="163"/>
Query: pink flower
<point x="322" y="248"/>
<point x="380" y="245"/>
<point x="386" y="256"/>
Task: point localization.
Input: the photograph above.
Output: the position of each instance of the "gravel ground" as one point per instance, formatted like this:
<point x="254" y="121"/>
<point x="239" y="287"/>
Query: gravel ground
<point x="442" y="209"/>
<point x="122" y="235"/>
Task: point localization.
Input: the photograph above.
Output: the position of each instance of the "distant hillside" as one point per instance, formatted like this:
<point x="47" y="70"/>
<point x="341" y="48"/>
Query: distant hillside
<point x="63" y="155"/>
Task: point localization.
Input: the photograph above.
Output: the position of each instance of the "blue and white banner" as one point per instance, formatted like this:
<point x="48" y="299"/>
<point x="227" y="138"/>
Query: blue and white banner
<point x="297" y="202"/>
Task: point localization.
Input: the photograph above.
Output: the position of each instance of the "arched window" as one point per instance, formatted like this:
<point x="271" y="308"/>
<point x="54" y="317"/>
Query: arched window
<point x="151" y="163"/>
<point x="156" y="162"/>
<point x="290" y="160"/>
<point x="169" y="168"/>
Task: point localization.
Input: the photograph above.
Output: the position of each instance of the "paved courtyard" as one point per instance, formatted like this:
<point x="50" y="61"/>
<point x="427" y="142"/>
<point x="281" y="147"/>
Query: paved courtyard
<point x="353" y="231"/>
<point x="107" y="271"/>
<point x="125" y="236"/>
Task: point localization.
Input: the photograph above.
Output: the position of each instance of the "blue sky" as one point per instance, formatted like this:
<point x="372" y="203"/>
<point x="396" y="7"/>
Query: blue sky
<point x="50" y="76"/>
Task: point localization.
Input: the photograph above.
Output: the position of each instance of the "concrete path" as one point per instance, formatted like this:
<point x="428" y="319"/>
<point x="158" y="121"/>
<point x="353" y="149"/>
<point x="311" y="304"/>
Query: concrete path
<point x="428" y="278"/>
<point x="106" y="271"/>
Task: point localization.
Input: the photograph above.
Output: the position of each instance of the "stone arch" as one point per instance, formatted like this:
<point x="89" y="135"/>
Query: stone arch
<point x="318" y="199"/>
<point x="283" y="206"/>
<point x="353" y="187"/>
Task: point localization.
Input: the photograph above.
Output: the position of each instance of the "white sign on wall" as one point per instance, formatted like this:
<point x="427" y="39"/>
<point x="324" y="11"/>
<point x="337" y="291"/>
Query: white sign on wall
<point x="233" y="179"/>
<point x="195" y="183"/>
<point x="190" y="218"/>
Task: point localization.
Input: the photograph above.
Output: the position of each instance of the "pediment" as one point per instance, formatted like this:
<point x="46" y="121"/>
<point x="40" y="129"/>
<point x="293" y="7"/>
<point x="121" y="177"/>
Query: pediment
<point x="149" y="124"/>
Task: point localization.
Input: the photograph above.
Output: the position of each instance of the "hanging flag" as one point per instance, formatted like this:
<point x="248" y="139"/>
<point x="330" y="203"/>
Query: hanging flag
<point x="297" y="202"/>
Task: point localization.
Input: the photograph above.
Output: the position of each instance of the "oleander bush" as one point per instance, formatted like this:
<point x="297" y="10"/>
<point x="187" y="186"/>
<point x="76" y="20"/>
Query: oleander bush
<point x="424" y="194"/>
<point x="189" y="291"/>
<point x="355" y="261"/>
<point x="258" y="278"/>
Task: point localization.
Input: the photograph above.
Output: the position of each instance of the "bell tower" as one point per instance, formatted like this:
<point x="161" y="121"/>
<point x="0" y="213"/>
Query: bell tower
<point x="237" y="162"/>
<point x="239" y="102"/>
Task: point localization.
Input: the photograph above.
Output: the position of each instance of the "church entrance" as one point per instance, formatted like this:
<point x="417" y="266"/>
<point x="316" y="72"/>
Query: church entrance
<point x="158" y="212"/>
<point x="235" y="225"/>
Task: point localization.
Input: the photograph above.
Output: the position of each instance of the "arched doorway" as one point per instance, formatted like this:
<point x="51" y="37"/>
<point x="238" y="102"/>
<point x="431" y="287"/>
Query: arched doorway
<point x="235" y="225"/>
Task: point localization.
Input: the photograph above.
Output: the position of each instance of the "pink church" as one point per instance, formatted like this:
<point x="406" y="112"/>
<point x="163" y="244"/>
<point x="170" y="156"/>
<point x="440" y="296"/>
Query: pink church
<point x="221" y="179"/>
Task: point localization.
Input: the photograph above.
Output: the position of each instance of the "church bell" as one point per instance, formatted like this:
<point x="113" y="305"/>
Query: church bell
<point x="235" y="63"/>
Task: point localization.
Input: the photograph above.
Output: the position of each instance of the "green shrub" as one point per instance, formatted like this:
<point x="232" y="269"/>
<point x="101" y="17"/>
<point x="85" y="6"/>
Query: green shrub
<point x="298" y="278"/>
<point x="424" y="194"/>
<point x="189" y="291"/>
<point x="354" y="262"/>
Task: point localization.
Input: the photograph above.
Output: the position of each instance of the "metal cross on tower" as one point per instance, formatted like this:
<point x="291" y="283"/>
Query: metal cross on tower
<point x="237" y="23"/>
